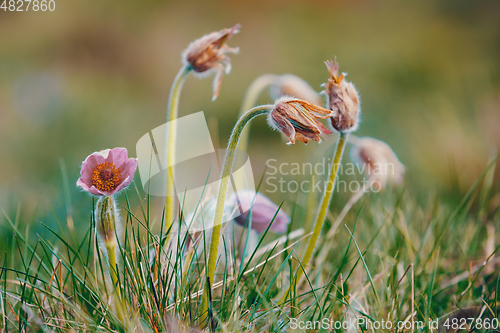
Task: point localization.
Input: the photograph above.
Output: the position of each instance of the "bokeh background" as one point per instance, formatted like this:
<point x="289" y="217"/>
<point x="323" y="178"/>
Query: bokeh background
<point x="96" y="74"/>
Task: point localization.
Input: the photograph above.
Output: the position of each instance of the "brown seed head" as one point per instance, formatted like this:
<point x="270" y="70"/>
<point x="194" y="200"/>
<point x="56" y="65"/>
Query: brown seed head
<point x="342" y="99"/>
<point x="297" y="120"/>
<point x="378" y="161"/>
<point x="292" y="85"/>
<point x="208" y="54"/>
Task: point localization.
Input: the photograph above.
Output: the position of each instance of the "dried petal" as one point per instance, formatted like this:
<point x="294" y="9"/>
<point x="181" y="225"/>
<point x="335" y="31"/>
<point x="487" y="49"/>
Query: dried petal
<point x="342" y="99"/>
<point x="297" y="120"/>
<point x="208" y="55"/>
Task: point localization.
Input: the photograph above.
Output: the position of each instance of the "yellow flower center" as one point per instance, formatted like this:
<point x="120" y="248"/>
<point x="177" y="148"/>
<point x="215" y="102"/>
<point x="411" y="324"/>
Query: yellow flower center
<point x="106" y="177"/>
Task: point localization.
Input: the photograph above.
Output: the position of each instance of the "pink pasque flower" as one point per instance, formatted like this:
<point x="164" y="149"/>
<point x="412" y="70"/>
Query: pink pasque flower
<point x="263" y="212"/>
<point x="107" y="172"/>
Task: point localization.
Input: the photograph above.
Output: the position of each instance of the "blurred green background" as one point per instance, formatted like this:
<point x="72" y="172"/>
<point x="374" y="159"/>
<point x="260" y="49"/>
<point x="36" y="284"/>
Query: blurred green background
<point x="96" y="74"/>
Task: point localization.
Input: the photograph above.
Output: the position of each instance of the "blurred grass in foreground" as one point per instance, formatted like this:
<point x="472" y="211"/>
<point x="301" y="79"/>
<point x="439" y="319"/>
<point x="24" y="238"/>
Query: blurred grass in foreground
<point x="392" y="257"/>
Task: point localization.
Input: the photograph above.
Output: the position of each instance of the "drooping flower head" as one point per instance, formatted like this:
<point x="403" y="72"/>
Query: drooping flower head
<point x="237" y="208"/>
<point x="107" y="172"/>
<point x="377" y="160"/>
<point x="297" y="119"/>
<point x="208" y="54"/>
<point x="342" y="99"/>
<point x="263" y="211"/>
<point x="292" y="85"/>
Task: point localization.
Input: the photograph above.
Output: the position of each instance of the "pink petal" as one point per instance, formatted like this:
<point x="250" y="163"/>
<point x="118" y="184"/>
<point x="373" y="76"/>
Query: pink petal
<point x="97" y="192"/>
<point x="118" y="156"/>
<point x="122" y="185"/>
<point x="92" y="190"/>
<point x="82" y="184"/>
<point x="127" y="172"/>
<point x="131" y="167"/>
<point x="88" y="167"/>
<point x="263" y="212"/>
<point x="280" y="223"/>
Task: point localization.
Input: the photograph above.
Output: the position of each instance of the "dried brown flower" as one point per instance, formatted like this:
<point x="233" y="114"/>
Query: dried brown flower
<point x="297" y="119"/>
<point x="342" y="99"/>
<point x="292" y="85"/>
<point x="377" y="160"/>
<point x="208" y="54"/>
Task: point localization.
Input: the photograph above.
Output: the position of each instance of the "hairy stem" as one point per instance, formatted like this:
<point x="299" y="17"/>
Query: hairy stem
<point x="107" y="228"/>
<point x="221" y="198"/>
<point x="325" y="203"/>
<point x="113" y="270"/>
<point x="171" y="131"/>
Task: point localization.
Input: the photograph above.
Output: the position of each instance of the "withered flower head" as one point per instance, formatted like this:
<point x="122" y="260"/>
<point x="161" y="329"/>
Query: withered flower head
<point x="342" y="99"/>
<point x="208" y="54"/>
<point x="377" y="160"/>
<point x="292" y="85"/>
<point x="297" y="119"/>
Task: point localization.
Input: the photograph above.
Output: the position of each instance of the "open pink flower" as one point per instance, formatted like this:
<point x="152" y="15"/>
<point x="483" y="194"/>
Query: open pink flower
<point x="107" y="172"/>
<point x="263" y="212"/>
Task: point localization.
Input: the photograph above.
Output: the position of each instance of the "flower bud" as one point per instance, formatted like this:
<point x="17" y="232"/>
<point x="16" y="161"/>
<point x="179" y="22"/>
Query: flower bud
<point x="208" y="54"/>
<point x="342" y="99"/>
<point x="292" y="85"/>
<point x="296" y="119"/>
<point x="236" y="212"/>
<point x="107" y="219"/>
<point x="263" y="211"/>
<point x="377" y="160"/>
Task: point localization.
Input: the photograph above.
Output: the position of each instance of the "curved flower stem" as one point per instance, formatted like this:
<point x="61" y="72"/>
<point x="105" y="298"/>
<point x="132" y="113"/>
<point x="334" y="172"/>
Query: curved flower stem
<point x="325" y="203"/>
<point x="113" y="270"/>
<point x="171" y="131"/>
<point x="252" y="94"/>
<point x="221" y="198"/>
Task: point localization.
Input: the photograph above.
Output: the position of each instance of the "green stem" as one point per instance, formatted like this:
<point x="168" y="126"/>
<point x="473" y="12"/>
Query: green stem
<point x="107" y="220"/>
<point x="171" y="131"/>
<point x="221" y="198"/>
<point x="323" y="209"/>
<point x="251" y="97"/>
<point x="113" y="270"/>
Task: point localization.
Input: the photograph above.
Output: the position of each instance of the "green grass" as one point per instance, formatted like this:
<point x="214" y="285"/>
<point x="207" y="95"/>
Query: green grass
<point x="393" y="259"/>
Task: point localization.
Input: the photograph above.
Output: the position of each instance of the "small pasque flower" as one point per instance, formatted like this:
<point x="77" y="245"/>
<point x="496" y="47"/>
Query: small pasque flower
<point x="379" y="162"/>
<point x="263" y="211"/>
<point x="208" y="54"/>
<point x="342" y="99"/>
<point x="297" y="119"/>
<point x="292" y="85"/>
<point x="237" y="208"/>
<point x="107" y="172"/>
